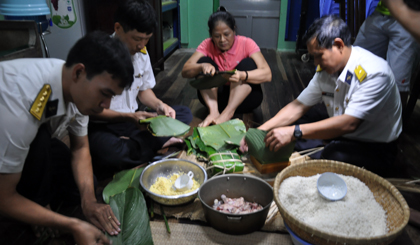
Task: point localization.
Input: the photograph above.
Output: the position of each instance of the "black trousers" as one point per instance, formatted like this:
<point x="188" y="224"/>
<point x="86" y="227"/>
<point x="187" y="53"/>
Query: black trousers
<point x="110" y="153"/>
<point x="47" y="177"/>
<point x="250" y="103"/>
<point x="375" y="157"/>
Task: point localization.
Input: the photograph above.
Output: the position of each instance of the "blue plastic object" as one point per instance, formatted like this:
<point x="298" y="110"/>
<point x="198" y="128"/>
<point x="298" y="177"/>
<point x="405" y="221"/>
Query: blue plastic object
<point x="294" y="15"/>
<point x="331" y="7"/>
<point x="327" y="7"/>
<point x="370" y="6"/>
<point x="24" y="7"/>
<point x="296" y="240"/>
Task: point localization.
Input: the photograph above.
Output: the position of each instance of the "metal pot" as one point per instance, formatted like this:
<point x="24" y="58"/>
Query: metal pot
<point x="167" y="167"/>
<point x="251" y="188"/>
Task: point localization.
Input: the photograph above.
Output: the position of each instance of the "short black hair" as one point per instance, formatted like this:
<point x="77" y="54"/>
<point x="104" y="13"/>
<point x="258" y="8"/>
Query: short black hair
<point x="413" y="4"/>
<point x="99" y="52"/>
<point x="326" y="29"/>
<point x="136" y="14"/>
<point x="221" y="15"/>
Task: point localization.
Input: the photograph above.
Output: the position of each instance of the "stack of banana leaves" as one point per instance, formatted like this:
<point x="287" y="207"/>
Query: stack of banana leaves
<point x="127" y="202"/>
<point x="218" y="144"/>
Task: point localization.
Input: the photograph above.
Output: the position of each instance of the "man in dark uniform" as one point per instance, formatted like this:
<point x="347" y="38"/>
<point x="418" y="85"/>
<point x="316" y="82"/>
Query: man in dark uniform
<point x="41" y="98"/>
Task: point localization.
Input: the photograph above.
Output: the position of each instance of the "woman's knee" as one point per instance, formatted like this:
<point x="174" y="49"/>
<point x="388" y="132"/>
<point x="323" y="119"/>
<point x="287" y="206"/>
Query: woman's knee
<point x="206" y="59"/>
<point x="247" y="64"/>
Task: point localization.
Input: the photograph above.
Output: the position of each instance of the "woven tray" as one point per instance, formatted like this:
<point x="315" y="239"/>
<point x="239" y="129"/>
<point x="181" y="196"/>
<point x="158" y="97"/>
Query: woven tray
<point x="384" y="192"/>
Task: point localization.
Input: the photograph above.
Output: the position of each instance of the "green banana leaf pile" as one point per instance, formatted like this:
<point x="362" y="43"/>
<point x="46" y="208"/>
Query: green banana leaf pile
<point x="129" y="206"/>
<point x="256" y="148"/>
<point x="218" y="144"/>
<point x="163" y="126"/>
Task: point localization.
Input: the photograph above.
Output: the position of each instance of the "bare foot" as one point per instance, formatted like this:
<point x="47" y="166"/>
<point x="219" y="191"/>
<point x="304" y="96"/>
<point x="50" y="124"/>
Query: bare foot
<point x="209" y="120"/>
<point x="224" y="117"/>
<point x="172" y="141"/>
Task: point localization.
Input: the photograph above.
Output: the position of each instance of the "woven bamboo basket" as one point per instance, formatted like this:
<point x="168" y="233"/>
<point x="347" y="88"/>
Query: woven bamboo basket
<point x="384" y="192"/>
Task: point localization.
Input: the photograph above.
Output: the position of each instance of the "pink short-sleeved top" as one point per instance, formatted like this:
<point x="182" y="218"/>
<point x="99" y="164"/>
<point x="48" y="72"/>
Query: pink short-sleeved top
<point x="243" y="47"/>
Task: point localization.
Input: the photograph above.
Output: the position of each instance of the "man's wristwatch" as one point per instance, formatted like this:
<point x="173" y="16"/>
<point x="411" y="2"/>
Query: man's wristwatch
<point x="297" y="133"/>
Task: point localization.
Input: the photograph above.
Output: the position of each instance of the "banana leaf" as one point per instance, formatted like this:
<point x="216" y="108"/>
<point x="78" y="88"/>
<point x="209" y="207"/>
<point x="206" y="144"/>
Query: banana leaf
<point x="163" y="126"/>
<point x="199" y="144"/>
<point x="130" y="209"/>
<point x="256" y="148"/>
<point x="226" y="160"/>
<point x="225" y="137"/>
<point x="217" y="135"/>
<point x="122" y="180"/>
<point x="208" y="81"/>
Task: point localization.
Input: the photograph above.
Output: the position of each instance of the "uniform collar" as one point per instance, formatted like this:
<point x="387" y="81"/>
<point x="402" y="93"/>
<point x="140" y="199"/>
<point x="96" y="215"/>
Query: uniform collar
<point x="231" y="50"/>
<point x="351" y="63"/>
<point x="56" y="82"/>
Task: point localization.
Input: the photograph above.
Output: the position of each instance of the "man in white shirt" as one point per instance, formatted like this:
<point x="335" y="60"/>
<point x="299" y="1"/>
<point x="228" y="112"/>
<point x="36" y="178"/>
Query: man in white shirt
<point x="361" y="97"/>
<point x="39" y="98"/>
<point x="117" y="142"/>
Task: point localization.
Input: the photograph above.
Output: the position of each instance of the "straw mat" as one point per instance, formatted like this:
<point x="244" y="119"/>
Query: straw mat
<point x="196" y="234"/>
<point x="384" y="192"/>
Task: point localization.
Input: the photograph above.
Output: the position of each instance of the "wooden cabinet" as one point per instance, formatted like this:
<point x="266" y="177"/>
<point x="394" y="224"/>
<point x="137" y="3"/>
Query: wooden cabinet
<point x="100" y="16"/>
<point x="167" y="37"/>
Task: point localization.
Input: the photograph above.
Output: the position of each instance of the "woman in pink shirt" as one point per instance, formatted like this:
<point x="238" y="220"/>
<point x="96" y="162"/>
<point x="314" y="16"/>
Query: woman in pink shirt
<point x="225" y="51"/>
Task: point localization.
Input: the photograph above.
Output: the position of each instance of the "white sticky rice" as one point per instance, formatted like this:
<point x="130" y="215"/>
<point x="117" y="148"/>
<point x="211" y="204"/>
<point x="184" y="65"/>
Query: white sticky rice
<point x="357" y="215"/>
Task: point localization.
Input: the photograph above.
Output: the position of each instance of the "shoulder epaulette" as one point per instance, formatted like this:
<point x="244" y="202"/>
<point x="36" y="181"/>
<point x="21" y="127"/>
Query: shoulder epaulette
<point x="360" y="73"/>
<point x="318" y="68"/>
<point x="143" y="50"/>
<point x="37" y="108"/>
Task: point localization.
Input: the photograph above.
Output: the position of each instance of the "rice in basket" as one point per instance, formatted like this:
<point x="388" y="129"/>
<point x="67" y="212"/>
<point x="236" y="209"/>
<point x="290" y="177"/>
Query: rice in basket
<point x="356" y="215"/>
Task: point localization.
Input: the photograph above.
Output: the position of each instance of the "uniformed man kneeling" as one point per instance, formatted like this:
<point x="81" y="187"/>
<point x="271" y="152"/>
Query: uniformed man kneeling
<point x="361" y="97"/>
<point x="39" y="99"/>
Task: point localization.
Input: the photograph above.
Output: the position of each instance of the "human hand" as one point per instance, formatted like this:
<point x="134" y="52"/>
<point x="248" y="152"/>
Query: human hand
<point x="243" y="146"/>
<point x="140" y="115"/>
<point x="164" y="109"/>
<point x="238" y="76"/>
<point x="85" y="233"/>
<point x="101" y="216"/>
<point x="208" y="68"/>
<point x="279" y="137"/>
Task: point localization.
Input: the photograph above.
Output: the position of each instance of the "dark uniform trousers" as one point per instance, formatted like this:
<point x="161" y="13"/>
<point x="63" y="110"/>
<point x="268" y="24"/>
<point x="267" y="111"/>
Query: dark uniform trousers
<point x="111" y="153"/>
<point x="47" y="177"/>
<point x="375" y="157"/>
<point x="251" y="102"/>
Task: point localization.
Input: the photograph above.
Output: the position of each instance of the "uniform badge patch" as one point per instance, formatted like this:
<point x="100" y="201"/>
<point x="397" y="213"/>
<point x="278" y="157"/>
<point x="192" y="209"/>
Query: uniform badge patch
<point x="38" y="107"/>
<point x="51" y="108"/>
<point x="349" y="76"/>
<point x="360" y="73"/>
<point x="143" y="50"/>
<point x="318" y="68"/>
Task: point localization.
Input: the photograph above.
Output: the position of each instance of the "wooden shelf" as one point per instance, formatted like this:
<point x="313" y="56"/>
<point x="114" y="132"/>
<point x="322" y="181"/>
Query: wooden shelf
<point x="169" y="5"/>
<point x="169" y="45"/>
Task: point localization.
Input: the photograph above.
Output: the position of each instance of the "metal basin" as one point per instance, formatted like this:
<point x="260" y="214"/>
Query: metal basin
<point x="165" y="168"/>
<point x="251" y="188"/>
